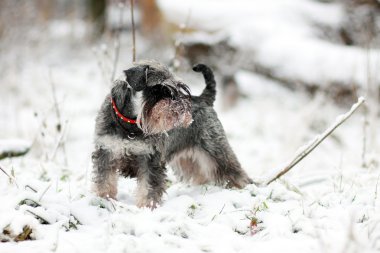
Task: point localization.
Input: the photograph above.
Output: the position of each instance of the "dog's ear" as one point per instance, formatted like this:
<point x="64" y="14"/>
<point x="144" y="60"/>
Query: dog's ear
<point x="137" y="77"/>
<point x="119" y="87"/>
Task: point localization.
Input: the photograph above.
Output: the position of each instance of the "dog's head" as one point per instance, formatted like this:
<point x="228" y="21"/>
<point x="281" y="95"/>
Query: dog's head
<point x="162" y="101"/>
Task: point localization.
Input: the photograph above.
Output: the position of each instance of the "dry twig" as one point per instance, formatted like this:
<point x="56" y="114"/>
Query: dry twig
<point x="56" y="106"/>
<point x="100" y="65"/>
<point x="364" y="139"/>
<point x="61" y="143"/>
<point x="31" y="188"/>
<point x="133" y="33"/>
<point x="375" y="198"/>
<point x="317" y="140"/>
<point x="59" y="118"/>
<point x="43" y="193"/>
<point x="11" y="178"/>
<point x="117" y="42"/>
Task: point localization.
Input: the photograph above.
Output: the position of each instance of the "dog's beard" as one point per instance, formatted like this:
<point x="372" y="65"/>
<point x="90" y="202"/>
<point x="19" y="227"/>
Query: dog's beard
<point x="165" y="115"/>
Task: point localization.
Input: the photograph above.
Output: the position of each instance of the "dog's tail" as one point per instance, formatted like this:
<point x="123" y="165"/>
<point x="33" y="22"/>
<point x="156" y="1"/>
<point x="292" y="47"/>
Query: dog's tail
<point x="209" y="93"/>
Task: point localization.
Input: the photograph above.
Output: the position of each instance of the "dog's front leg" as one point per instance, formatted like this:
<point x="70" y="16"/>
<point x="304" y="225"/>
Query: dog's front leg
<point x="105" y="173"/>
<point x="151" y="181"/>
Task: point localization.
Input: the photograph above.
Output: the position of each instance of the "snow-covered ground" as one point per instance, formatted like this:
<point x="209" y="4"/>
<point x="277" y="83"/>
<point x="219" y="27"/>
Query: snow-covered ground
<point x="327" y="203"/>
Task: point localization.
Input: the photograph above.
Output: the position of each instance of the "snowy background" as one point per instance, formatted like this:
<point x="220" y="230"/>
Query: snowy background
<point x="295" y="64"/>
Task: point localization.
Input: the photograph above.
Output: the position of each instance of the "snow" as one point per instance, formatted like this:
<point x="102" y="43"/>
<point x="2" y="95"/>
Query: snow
<point x="273" y="34"/>
<point x="328" y="203"/>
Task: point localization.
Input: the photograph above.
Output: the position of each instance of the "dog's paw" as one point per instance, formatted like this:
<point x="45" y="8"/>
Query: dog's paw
<point x="239" y="183"/>
<point x="151" y="204"/>
<point x="106" y="193"/>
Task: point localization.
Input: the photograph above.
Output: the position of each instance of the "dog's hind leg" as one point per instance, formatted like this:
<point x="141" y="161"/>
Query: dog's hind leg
<point x="228" y="169"/>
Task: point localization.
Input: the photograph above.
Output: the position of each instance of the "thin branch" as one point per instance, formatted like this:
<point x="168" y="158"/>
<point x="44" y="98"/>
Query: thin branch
<point x="59" y="118"/>
<point x="31" y="188"/>
<point x="76" y="219"/>
<point x="220" y="212"/>
<point x="113" y="204"/>
<point x="364" y="139"/>
<point x="318" y="139"/>
<point x="100" y="65"/>
<point x="117" y="42"/>
<point x="29" y="202"/>
<point x="44" y="192"/>
<point x="11" y="178"/>
<point x="377" y="183"/>
<point x="56" y="107"/>
<point x="40" y="128"/>
<point x="61" y="143"/>
<point x="291" y="187"/>
<point x="133" y="33"/>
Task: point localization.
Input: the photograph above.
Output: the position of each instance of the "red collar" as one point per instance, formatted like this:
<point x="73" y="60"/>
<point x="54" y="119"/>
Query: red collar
<point x="121" y="116"/>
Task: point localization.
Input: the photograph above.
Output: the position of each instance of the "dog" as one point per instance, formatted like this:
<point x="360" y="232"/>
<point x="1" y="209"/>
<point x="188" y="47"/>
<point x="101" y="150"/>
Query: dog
<point x="151" y="120"/>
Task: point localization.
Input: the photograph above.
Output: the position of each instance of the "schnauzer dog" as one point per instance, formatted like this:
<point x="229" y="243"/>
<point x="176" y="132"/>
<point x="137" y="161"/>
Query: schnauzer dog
<point x="150" y="120"/>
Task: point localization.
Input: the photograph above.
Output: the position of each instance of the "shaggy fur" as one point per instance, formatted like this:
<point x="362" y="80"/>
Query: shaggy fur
<point x="173" y="128"/>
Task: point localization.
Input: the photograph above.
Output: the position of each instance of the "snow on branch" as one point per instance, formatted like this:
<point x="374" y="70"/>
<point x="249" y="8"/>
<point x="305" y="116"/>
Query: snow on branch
<point x="13" y="148"/>
<point x="307" y="149"/>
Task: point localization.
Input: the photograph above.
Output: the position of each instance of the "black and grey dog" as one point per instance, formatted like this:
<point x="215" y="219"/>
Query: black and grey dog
<point x="151" y="120"/>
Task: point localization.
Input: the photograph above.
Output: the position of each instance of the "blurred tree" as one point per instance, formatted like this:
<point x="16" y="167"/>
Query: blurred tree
<point x="361" y="24"/>
<point x="96" y="13"/>
<point x="46" y="10"/>
<point x="151" y="20"/>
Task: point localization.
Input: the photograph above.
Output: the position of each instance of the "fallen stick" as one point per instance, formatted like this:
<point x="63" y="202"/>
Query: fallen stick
<point x="317" y="140"/>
